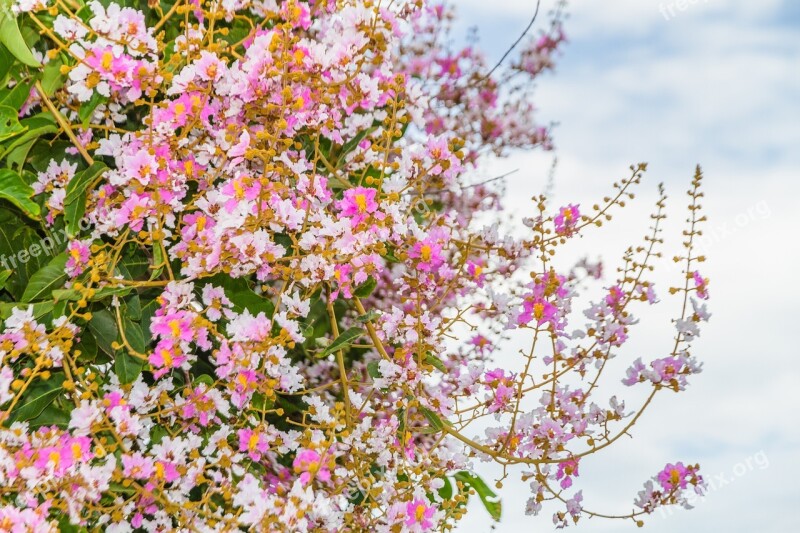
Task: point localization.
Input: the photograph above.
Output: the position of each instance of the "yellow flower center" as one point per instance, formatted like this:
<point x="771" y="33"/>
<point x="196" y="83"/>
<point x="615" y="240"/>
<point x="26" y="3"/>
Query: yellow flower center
<point x="175" y="326"/>
<point x="361" y="202"/>
<point x="419" y="512"/>
<point x="167" y="357"/>
<point x="253" y="442"/>
<point x="425" y="252"/>
<point x="106" y="60"/>
<point x="538" y="310"/>
<point x="237" y="186"/>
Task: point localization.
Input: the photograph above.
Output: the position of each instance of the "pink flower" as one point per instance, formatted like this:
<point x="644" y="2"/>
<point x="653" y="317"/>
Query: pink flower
<point x="502" y="386"/>
<point x="137" y="466"/>
<point x="176" y="326"/>
<point x="166" y="357"/>
<point x="566" y="471"/>
<point x="358" y="204"/>
<point x="309" y="462"/>
<point x="133" y="212"/>
<point x="428" y="252"/>
<point x="475" y="270"/>
<point x="674" y="476"/>
<point x="537" y="309"/>
<point x="701" y="284"/>
<point x="77" y="258"/>
<point x="419" y="512"/>
<point x="253" y="442"/>
<point x="240" y="148"/>
<point x="567" y="219"/>
<point x="482" y="344"/>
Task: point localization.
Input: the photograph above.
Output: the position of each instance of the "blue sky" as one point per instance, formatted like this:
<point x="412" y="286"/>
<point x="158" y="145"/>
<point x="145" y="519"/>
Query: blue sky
<point x="716" y="84"/>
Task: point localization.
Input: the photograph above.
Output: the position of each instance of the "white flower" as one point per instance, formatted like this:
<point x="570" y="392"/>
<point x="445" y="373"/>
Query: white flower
<point x="82" y="418"/>
<point x="297" y="306"/>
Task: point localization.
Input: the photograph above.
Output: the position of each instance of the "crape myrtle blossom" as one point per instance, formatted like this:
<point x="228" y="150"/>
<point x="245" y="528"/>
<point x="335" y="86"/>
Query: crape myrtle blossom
<point x="671" y="486"/>
<point x="285" y="294"/>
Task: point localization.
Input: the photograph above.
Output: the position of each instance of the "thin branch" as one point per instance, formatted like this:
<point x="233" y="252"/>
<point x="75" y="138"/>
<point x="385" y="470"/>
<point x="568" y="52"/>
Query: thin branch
<point x="513" y="46"/>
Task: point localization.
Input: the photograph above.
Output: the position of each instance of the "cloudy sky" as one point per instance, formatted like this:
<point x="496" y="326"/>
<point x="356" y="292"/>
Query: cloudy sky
<point x="717" y="83"/>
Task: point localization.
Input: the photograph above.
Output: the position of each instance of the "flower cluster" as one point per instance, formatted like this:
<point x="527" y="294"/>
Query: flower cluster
<point x="282" y="296"/>
<point x="670" y="486"/>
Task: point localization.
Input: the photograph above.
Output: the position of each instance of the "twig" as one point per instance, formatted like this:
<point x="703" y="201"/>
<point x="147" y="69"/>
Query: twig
<point x="63" y="123"/>
<point x="511" y="49"/>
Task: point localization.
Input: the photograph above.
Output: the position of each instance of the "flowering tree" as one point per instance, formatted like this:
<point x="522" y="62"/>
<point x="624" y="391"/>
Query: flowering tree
<point x="247" y="281"/>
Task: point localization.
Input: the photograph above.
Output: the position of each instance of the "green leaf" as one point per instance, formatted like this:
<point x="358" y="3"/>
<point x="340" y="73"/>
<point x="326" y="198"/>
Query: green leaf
<point x="71" y="295"/>
<point x="344" y="340"/>
<point x="86" y="109"/>
<point x="366" y="288"/>
<point x="39" y="309"/>
<point x="37" y="396"/>
<point x="158" y="262"/>
<point x="9" y="122"/>
<point x="433" y="418"/>
<point x="436" y="362"/>
<point x="45" y="281"/>
<point x="158" y="433"/>
<point x="148" y="312"/>
<point x="36" y="126"/>
<point x="104" y="328"/>
<point x="260" y="402"/>
<point x="75" y="196"/>
<point x="65" y="526"/>
<point x="4" y="275"/>
<point x="76" y="188"/>
<point x="247" y="299"/>
<point x="127" y="367"/>
<point x="6" y="62"/>
<point x="87" y="346"/>
<point x="22" y="250"/>
<point x="16" y="158"/>
<point x="136" y="264"/>
<point x="369" y="317"/>
<point x="133" y="307"/>
<point x="446" y="492"/>
<point x="17" y="96"/>
<point x="373" y="369"/>
<point x="52" y="79"/>
<point x="42" y="154"/>
<point x="203" y="379"/>
<point x="50" y="416"/>
<point x="350" y="145"/>
<point x="11" y="37"/>
<point x="134" y="335"/>
<point x="490" y="500"/>
<point x="14" y="189"/>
